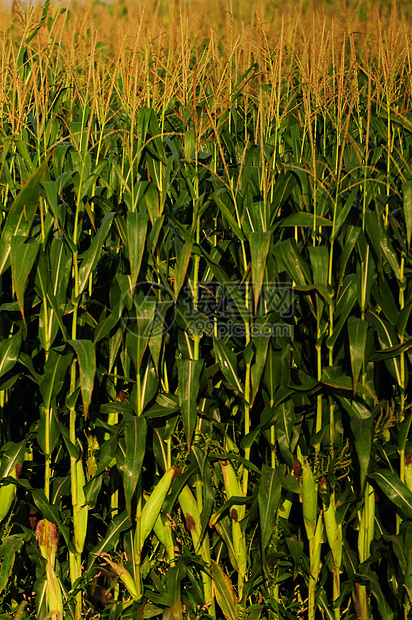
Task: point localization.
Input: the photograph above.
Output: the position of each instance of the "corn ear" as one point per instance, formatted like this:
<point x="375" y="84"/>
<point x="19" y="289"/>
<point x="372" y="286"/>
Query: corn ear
<point x="7" y="495"/>
<point x="54" y="593"/>
<point x="285" y="508"/>
<point x="190" y="510"/>
<point x="233" y="489"/>
<point x="315" y="547"/>
<point x="163" y="530"/>
<point x="153" y="506"/>
<point x="408" y="471"/>
<point x="309" y="499"/>
<point x="225" y="593"/>
<point x="333" y="532"/>
<point x="232" y="485"/>
<point x="239" y="544"/>
<point x="81" y="511"/>
<point x="367" y="524"/>
<point x="124" y="576"/>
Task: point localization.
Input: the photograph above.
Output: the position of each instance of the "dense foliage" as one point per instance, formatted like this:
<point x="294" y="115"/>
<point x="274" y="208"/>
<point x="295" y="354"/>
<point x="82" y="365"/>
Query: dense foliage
<point x="205" y="271"/>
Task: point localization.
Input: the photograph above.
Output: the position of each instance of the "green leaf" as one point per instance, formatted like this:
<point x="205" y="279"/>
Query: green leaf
<point x="188" y="372"/>
<point x="225" y="593"/>
<point x="352" y="234"/>
<point x="117" y="525"/>
<point x="13" y="455"/>
<point x="48" y="420"/>
<point x="227" y="363"/>
<point x="87" y="366"/>
<point x="233" y="225"/>
<point x="173" y="583"/>
<point x="55" y="370"/>
<point x="319" y="261"/>
<point x="135" y="428"/>
<point x="391" y="352"/>
<point x="9" y="352"/>
<point x="60" y="269"/>
<point x="49" y="512"/>
<point x="380" y="241"/>
<point x="261" y="354"/>
<point x="345" y="303"/>
<point x="224" y="529"/>
<point x="181" y="267"/>
<point x="388" y="340"/>
<point x="291" y="260"/>
<point x="136" y="239"/>
<point x="395" y="490"/>
<point x="407" y="209"/>
<point x="357" y="330"/>
<point x="384" y="609"/>
<point x="270" y="487"/>
<point x="344" y="211"/>
<point x="259" y="248"/>
<point x="91" y="257"/>
<point x="285" y="419"/>
<point x="20" y="216"/>
<point x="23" y="255"/>
<point x="304" y="219"/>
<point x="8" y="549"/>
<point x="362" y="431"/>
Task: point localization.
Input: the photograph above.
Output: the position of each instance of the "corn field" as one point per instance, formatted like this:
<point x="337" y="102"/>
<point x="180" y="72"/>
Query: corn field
<point x="205" y="299"/>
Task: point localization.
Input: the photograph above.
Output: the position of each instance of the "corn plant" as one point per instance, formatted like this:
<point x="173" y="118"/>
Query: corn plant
<point x="205" y="295"/>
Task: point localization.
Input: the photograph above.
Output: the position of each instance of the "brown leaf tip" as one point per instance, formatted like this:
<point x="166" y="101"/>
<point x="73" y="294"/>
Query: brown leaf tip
<point x="234" y="514"/>
<point x="190" y="522"/>
<point x="297" y="468"/>
<point x="176" y="472"/>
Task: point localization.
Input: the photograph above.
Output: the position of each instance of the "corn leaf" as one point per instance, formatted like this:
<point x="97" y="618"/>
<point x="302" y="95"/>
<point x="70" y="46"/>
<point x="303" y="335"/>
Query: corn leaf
<point x="21" y="214"/>
<point x="136" y="240"/>
<point x="135" y="428"/>
<point x="23" y="254"/>
<point x="87" y="365"/>
<point x="259" y="248"/>
<point x="225" y="594"/>
<point x="270" y="487"/>
<point x="91" y="257"/>
<point x="394" y="489"/>
<point x="9" y="352"/>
